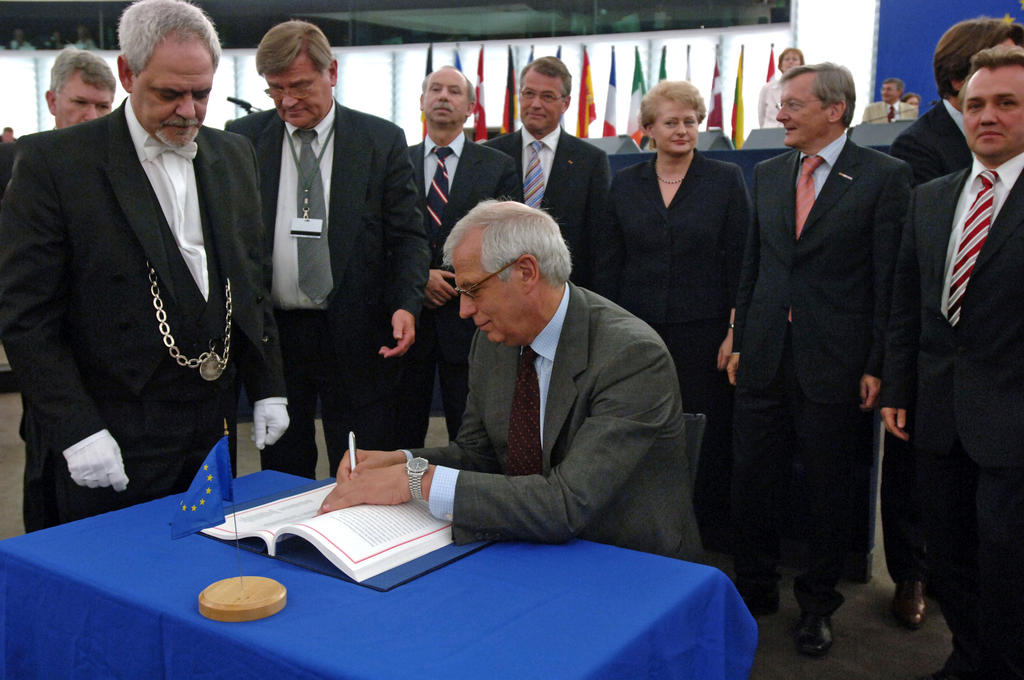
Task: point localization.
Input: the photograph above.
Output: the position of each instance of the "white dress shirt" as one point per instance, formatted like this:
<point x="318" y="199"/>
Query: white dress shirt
<point x="285" y="291"/>
<point x="173" y="179"/>
<point x="547" y="152"/>
<point x="450" y="164"/>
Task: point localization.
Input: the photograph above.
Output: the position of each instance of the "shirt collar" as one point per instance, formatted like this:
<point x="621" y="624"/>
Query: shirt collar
<point x="456" y="145"/>
<point x="1008" y="172"/>
<point x="546" y="342"/>
<point x="146" y="145"/>
<point x="831" y="152"/>
<point x="550" y="140"/>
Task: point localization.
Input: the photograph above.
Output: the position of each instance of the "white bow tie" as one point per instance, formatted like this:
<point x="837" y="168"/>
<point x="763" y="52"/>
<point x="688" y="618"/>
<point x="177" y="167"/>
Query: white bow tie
<point x="154" y="147"/>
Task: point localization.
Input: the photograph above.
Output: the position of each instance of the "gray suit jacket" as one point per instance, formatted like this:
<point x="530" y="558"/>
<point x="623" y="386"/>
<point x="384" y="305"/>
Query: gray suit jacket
<point x="615" y="465"/>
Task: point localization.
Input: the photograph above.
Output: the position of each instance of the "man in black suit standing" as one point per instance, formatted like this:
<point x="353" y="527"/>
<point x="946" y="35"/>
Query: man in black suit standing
<point x="933" y="146"/>
<point x="565" y="176"/>
<point x="957" y="326"/>
<point x="811" y="312"/>
<point x="349" y="254"/>
<point x="132" y="287"/>
<point x="455" y="174"/>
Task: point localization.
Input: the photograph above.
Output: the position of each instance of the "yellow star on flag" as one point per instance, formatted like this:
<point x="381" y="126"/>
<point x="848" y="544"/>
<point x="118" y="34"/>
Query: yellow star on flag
<point x="202" y="501"/>
<point x="193" y="508"/>
<point x="1007" y="19"/>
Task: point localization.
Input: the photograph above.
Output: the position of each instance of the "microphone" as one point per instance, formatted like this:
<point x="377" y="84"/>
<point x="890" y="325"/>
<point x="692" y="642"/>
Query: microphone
<point x="249" y="108"/>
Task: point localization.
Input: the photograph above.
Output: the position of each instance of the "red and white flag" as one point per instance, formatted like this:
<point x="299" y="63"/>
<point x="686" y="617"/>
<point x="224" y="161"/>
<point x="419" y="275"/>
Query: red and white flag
<point x="479" y="119"/>
<point x="715" y="114"/>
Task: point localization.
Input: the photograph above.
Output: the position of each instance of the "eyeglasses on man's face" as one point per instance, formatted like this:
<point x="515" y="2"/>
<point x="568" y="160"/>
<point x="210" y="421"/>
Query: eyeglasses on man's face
<point x="794" y="105"/>
<point x="471" y="291"/>
<point x="300" y="91"/>
<point x="546" y="97"/>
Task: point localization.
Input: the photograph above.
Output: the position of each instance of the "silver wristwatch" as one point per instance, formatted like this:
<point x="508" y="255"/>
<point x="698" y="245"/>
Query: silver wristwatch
<point x="415" y="469"/>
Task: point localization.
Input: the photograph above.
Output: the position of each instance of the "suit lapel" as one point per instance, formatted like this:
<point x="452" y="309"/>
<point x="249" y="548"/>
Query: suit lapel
<point x="349" y="178"/>
<point x="461" y="186"/>
<point x="209" y="165"/>
<point x="571" y="359"/>
<point x="840" y="179"/>
<point x="135" y="195"/>
<point x="560" y="183"/>
<point x="945" y="212"/>
<point x="416" y="156"/>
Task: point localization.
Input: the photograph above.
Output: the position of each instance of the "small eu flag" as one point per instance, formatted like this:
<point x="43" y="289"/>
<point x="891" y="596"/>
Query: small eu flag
<point x="202" y="505"/>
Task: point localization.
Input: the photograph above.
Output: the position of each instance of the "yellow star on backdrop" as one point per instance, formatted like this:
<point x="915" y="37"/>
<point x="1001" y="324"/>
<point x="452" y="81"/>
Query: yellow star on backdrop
<point x="193" y="508"/>
<point x="1007" y="19"/>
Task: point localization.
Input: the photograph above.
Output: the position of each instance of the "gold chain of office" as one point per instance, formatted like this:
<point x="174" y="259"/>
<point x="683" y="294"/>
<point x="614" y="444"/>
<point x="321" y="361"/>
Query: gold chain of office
<point x="210" y="364"/>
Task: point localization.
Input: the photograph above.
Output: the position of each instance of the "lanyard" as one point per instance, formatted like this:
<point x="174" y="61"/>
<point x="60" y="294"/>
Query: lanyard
<point x="306" y="181"/>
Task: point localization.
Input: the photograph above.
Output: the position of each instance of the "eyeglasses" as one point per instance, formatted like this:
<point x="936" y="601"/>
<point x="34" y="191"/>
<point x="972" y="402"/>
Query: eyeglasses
<point x="471" y="291"/>
<point x="793" y="105"/>
<point x="546" y="97"/>
<point x="296" y="92"/>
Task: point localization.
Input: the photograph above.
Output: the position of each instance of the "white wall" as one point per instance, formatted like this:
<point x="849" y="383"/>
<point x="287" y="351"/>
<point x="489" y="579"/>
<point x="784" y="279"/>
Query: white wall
<point x="386" y="80"/>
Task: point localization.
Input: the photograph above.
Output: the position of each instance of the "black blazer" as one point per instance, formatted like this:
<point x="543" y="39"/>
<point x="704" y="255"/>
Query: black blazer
<point x="836" y="278"/>
<point x="680" y="263"/>
<point x="6" y="164"/>
<point x="574" y="194"/>
<point x="970" y="379"/>
<point x="482" y="173"/>
<point x="78" y="227"/>
<point x="378" y="249"/>
<point x="934" y="146"/>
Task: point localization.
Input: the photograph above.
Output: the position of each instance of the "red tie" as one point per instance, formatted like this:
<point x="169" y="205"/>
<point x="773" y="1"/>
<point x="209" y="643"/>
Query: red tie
<point x="892" y="113"/>
<point x="805" y="191"/>
<point x="524" y="454"/>
<point x="979" y="220"/>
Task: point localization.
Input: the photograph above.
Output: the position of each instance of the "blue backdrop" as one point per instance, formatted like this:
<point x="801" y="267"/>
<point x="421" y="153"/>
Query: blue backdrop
<point x="909" y="29"/>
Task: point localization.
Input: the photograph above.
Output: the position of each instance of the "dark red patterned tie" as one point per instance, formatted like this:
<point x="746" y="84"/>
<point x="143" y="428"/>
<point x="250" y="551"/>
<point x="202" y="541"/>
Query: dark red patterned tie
<point x="524" y="454"/>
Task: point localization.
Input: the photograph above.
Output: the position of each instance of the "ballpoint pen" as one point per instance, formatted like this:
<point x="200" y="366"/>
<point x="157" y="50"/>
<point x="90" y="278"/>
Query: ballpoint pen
<point x="351" y="451"/>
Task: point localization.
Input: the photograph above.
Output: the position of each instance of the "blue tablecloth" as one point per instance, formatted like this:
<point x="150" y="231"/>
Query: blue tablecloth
<point x="114" y="597"/>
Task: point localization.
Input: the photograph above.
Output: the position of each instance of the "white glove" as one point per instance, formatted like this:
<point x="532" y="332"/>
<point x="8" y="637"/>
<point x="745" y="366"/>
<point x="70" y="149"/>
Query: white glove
<point x="96" y="461"/>
<point x="269" y="420"/>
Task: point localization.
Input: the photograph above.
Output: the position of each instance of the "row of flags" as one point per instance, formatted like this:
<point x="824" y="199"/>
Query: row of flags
<point x="586" y="106"/>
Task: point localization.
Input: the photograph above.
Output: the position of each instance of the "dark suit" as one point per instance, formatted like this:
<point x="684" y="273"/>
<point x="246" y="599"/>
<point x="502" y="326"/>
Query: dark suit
<point x="442" y="338"/>
<point x="77" y="313"/>
<point x="802" y="378"/>
<point x="379" y="265"/>
<point x="6" y="164"/>
<point x="574" y="194"/>
<point x="969" y="426"/>
<point x="677" y="268"/>
<point x="614" y="461"/>
<point x="933" y="146"/>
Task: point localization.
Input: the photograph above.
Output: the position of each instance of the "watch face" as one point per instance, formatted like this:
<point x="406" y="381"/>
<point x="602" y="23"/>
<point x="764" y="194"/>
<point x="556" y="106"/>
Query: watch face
<point x="417" y="465"/>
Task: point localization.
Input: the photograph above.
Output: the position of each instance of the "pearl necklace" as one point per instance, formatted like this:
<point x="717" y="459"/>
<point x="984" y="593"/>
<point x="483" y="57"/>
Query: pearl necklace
<point x="669" y="181"/>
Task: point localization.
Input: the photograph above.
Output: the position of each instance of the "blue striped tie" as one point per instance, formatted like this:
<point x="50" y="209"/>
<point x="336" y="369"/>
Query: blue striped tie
<point x="437" y="197"/>
<point x="533" y="185"/>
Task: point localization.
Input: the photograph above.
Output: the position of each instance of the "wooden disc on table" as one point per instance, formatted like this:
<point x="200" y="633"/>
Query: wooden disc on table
<point x="242" y="599"/>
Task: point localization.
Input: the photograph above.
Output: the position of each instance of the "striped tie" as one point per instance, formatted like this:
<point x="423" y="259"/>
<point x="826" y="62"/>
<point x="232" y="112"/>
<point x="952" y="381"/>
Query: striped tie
<point x="533" y="185"/>
<point x="437" y="197"/>
<point x="979" y="220"/>
<point x="805" y="191"/>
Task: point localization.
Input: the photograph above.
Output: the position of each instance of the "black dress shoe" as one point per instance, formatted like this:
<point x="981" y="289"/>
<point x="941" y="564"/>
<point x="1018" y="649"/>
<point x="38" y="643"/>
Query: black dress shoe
<point x="908" y="604"/>
<point x="813" y="634"/>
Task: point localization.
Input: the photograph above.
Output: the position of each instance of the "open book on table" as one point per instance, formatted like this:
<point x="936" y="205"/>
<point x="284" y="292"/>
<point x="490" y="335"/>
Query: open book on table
<point x="361" y="541"/>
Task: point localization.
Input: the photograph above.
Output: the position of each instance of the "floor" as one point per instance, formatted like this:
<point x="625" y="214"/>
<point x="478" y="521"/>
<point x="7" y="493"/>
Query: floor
<point x="868" y="643"/>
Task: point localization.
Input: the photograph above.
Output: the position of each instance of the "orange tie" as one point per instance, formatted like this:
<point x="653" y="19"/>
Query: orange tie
<point x="805" y="191"/>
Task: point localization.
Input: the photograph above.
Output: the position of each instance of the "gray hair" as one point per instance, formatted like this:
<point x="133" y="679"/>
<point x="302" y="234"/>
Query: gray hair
<point x="470" y="91"/>
<point x="510" y="230"/>
<point x="94" y="70"/>
<point x="832" y="84"/>
<point x="147" y="23"/>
